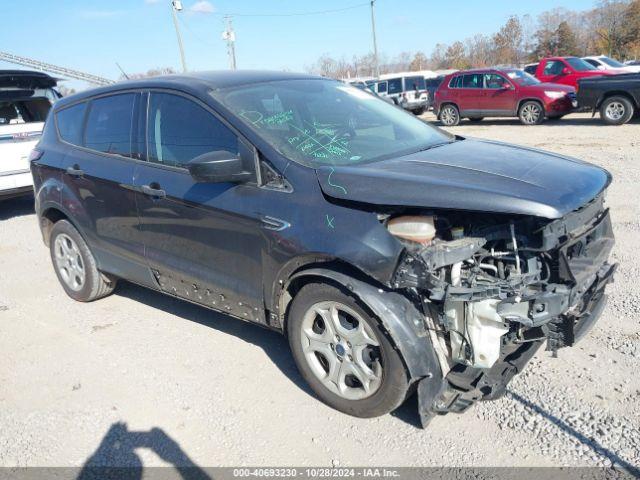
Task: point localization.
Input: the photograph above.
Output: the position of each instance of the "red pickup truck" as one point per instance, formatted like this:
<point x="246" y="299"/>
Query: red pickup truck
<point x="565" y="70"/>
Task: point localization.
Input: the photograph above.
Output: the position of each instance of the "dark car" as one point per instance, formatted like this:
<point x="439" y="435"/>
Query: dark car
<point x="506" y="92"/>
<point x="394" y="256"/>
<point x="616" y="97"/>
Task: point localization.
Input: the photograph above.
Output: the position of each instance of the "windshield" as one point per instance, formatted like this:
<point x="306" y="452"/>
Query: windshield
<point x="324" y="122"/>
<point x="579" y="64"/>
<point x="522" y="78"/>
<point x="611" y="62"/>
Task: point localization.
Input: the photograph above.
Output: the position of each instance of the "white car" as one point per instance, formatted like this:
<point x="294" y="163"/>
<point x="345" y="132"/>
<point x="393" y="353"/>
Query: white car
<point x="602" y="62"/>
<point x="25" y="100"/>
<point x="405" y="89"/>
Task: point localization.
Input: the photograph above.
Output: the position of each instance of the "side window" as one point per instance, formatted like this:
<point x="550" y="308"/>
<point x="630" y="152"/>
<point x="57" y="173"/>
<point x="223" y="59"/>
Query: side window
<point x="592" y="62"/>
<point x="494" y="81"/>
<point x="181" y="130"/>
<point x="108" y="127"/>
<point x="455" y="82"/>
<point x="382" y="87"/>
<point x="395" y="85"/>
<point x="472" y="80"/>
<point x="553" y="67"/>
<point x="69" y="123"/>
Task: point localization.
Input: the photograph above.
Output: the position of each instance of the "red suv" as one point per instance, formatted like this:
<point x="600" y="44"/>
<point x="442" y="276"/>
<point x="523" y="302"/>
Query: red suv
<point x="476" y="94"/>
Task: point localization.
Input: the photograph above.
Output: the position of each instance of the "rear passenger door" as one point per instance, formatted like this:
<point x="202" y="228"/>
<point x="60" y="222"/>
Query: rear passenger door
<point x="98" y="171"/>
<point x="203" y="241"/>
<point x="471" y="95"/>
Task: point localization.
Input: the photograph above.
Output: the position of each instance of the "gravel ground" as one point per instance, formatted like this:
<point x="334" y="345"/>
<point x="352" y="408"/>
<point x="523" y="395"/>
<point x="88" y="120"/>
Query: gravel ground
<point x="140" y="377"/>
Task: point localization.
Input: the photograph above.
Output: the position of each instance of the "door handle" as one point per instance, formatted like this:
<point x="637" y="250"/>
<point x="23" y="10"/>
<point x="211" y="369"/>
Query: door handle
<point x="153" y="192"/>
<point x="75" y="171"/>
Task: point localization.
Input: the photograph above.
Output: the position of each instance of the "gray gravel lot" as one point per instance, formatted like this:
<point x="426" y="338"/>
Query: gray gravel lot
<point x="140" y="375"/>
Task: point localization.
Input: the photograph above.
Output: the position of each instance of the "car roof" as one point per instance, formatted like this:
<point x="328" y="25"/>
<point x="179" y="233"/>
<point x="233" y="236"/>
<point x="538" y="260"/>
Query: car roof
<point x="200" y="82"/>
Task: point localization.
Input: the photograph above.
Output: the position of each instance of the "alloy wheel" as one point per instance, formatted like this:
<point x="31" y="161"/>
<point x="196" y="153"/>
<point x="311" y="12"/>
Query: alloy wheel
<point x="615" y="111"/>
<point x="342" y="350"/>
<point x="448" y="116"/>
<point x="531" y="113"/>
<point x="69" y="262"/>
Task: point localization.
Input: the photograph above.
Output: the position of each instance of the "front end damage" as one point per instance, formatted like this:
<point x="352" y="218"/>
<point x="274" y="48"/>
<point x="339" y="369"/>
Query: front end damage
<point x="493" y="288"/>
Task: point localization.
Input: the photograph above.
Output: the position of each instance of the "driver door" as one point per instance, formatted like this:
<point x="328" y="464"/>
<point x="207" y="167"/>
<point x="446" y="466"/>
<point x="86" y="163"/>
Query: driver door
<point x="202" y="241"/>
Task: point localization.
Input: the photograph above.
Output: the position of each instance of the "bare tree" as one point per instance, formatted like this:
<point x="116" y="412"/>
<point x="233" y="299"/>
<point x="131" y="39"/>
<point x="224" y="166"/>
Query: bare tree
<point x="419" y="62"/>
<point x="508" y="41"/>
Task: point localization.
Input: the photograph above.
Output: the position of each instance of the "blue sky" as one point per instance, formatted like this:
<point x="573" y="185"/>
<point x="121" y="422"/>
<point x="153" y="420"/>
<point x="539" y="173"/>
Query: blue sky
<point x="91" y="35"/>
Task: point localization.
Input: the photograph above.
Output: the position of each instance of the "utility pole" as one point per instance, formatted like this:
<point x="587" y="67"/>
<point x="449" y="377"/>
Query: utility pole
<point x="230" y="36"/>
<point x="375" y="44"/>
<point x="176" y="6"/>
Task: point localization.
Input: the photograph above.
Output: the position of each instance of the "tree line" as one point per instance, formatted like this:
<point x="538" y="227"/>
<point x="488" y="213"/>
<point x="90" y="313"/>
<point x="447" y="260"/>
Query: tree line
<point x="611" y="28"/>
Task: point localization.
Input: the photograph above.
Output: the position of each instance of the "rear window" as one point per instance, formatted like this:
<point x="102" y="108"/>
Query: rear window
<point x="108" y="127"/>
<point x="31" y="110"/>
<point x="456" y="82"/>
<point x="415" y="83"/>
<point x="69" y="122"/>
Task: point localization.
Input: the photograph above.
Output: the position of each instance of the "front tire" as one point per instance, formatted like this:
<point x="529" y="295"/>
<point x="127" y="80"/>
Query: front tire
<point x="449" y="115"/>
<point x="75" y="265"/>
<point x="616" y="110"/>
<point x="531" y="113"/>
<point x="343" y="354"/>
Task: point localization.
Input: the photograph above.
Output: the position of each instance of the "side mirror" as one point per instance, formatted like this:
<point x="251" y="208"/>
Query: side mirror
<point x="566" y="71"/>
<point x="219" y="166"/>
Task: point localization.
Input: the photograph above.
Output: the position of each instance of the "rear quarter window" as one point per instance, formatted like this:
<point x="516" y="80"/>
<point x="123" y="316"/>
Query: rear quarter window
<point x="108" y="128"/>
<point x="69" y="122"/>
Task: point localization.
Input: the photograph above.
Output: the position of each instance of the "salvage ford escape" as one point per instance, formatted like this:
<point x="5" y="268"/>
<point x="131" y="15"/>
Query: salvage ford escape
<point x="395" y="257"/>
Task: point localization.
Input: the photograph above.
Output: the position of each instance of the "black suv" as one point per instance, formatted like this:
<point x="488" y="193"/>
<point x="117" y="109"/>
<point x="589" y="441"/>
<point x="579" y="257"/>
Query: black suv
<point x="394" y="256"/>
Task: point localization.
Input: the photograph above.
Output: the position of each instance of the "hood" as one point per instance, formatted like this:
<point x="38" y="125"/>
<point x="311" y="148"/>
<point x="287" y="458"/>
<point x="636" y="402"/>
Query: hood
<point x="556" y="87"/>
<point x="471" y="174"/>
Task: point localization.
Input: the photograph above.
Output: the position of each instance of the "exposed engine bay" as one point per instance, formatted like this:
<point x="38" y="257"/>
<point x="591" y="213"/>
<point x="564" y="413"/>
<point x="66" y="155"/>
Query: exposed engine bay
<point x="494" y="287"/>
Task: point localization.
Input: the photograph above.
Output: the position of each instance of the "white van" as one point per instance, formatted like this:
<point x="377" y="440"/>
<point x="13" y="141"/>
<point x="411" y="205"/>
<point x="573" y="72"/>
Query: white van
<point x="25" y="100"/>
<point x="407" y="89"/>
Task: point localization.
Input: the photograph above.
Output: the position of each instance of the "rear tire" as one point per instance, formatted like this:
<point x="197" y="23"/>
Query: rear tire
<point x="75" y="265"/>
<point x="616" y="110"/>
<point x="419" y="111"/>
<point x="531" y="113"/>
<point x="449" y="115"/>
<point x="325" y="350"/>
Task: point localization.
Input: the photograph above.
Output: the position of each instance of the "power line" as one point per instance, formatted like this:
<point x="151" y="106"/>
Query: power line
<point x="297" y="14"/>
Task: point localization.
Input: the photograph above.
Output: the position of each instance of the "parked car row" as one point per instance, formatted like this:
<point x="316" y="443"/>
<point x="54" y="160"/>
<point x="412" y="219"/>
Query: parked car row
<point x="546" y="89"/>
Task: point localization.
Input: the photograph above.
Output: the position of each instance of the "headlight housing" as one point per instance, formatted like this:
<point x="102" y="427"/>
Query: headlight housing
<point x="555" y="95"/>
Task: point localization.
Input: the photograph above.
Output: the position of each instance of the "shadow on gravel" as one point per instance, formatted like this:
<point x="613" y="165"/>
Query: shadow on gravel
<point x="116" y="456"/>
<point x="589" y="442"/>
<point x="274" y="345"/>
<point x="16" y="207"/>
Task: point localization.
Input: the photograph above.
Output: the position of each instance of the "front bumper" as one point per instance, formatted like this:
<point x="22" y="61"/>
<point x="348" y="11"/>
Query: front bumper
<point x="562" y="316"/>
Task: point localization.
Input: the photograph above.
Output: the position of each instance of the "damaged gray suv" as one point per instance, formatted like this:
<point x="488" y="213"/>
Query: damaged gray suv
<point x="395" y="257"/>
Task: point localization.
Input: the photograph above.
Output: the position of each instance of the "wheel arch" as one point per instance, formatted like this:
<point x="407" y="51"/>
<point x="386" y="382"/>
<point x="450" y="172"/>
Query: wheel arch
<point x="445" y="103"/>
<point x="399" y="317"/>
<point x="617" y="93"/>
<point x="522" y="101"/>
<point x="49" y="216"/>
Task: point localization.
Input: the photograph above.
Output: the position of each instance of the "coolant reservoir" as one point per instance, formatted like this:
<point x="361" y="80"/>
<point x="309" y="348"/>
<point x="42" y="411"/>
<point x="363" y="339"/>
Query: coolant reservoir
<point x="485" y="329"/>
<point x="419" y="229"/>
